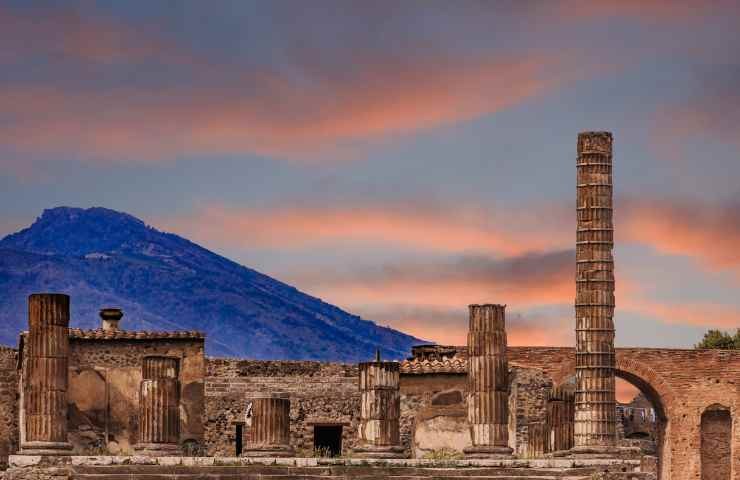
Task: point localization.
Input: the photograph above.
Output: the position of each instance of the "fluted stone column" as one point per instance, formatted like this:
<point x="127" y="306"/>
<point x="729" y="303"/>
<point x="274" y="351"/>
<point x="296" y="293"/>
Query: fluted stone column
<point x="595" y="417"/>
<point x="488" y="383"/>
<point x="270" y="430"/>
<point x="159" y="407"/>
<point x="380" y="410"/>
<point x="45" y="379"/>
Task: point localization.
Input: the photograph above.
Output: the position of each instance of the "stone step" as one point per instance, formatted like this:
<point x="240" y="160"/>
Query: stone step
<point x="257" y="476"/>
<point x="333" y="471"/>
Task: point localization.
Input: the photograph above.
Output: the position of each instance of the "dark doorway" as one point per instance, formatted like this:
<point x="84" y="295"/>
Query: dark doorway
<point x="238" y="437"/>
<point x="327" y="440"/>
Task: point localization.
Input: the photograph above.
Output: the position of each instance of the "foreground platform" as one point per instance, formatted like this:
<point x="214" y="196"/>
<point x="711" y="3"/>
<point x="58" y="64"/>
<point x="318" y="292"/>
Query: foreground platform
<point x="26" y="467"/>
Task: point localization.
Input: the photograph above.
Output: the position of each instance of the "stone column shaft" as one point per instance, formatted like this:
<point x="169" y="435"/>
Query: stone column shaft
<point x="159" y="407"/>
<point x="46" y="376"/>
<point x="488" y="383"/>
<point x="595" y="419"/>
<point x="270" y="430"/>
<point x="380" y="410"/>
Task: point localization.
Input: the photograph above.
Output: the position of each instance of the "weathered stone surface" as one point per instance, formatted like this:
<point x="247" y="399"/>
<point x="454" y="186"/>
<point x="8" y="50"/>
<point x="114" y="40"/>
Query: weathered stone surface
<point x="8" y="404"/>
<point x="159" y="406"/>
<point x="716" y="441"/>
<point x="221" y="468"/>
<point x="448" y="397"/>
<point x="323" y="391"/>
<point x="441" y="428"/>
<point x="595" y="420"/>
<point x="488" y="382"/>
<point x="680" y="384"/>
<point x="270" y="426"/>
<point x="45" y="380"/>
<point x="380" y="410"/>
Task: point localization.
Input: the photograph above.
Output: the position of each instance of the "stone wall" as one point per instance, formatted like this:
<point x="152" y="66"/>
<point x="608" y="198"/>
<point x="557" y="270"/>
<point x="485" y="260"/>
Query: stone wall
<point x="8" y="404"/>
<point x="433" y="413"/>
<point x="104" y="390"/>
<point x="103" y="393"/>
<point x="320" y="394"/>
<point x="528" y="410"/>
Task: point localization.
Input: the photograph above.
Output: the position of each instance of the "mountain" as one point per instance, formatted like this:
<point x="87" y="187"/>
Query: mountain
<point x="101" y="257"/>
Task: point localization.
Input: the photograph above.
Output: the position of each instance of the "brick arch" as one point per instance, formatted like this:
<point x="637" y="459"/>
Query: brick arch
<point x="648" y="381"/>
<point x="636" y="372"/>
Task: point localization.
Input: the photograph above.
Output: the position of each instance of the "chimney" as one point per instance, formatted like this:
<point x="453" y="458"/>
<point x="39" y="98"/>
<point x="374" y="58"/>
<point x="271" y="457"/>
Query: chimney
<point x="109" y="318"/>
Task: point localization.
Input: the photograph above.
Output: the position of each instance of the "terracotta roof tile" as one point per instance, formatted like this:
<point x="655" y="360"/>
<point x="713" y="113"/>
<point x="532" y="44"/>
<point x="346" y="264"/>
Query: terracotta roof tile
<point x="100" y="334"/>
<point x="446" y="365"/>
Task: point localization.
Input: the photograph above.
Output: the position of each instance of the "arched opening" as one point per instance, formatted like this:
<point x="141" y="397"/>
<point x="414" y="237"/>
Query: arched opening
<point x="644" y="422"/>
<point x="648" y="424"/>
<point x="716" y="443"/>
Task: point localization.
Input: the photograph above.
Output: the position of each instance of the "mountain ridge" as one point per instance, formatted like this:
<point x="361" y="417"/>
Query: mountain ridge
<point x="103" y="257"/>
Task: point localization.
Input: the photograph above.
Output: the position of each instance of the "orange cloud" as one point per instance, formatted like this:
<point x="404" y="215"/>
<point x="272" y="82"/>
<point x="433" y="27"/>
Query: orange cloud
<point x="419" y="227"/>
<point x="701" y="314"/>
<point x="707" y="232"/>
<point x="266" y="112"/>
<point x="524" y="281"/>
<point x="449" y="326"/>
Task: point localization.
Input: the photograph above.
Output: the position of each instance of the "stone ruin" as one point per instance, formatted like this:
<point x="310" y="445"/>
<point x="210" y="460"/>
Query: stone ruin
<point x="86" y="400"/>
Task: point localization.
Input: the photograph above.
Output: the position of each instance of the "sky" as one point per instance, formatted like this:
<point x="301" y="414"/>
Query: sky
<point x="398" y="159"/>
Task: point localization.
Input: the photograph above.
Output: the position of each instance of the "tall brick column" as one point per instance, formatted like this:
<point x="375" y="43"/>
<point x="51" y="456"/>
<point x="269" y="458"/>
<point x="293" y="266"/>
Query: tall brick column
<point x="45" y="381"/>
<point x="488" y="383"/>
<point x="270" y="434"/>
<point x="159" y="407"/>
<point x="595" y="415"/>
<point x="380" y="410"/>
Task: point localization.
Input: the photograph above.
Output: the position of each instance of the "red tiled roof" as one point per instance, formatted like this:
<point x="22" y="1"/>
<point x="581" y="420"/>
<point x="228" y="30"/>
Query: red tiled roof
<point x="446" y="365"/>
<point x="100" y="334"/>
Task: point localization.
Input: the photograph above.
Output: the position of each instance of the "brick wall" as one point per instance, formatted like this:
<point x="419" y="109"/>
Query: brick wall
<point x="320" y="393"/>
<point x="681" y="384"/>
<point x="8" y="404"/>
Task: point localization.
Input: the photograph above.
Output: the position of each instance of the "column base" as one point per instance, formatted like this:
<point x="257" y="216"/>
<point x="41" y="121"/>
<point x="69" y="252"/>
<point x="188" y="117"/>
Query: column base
<point x="45" y="448"/>
<point x="595" y="451"/>
<point x="269" y="451"/>
<point x="385" y="451"/>
<point x="487" y="451"/>
<point x="158" y="449"/>
<point x="561" y="453"/>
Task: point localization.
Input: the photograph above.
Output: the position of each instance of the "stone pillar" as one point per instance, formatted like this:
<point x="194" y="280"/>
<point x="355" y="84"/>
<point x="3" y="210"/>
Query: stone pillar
<point x="270" y="430"/>
<point x="159" y="407"/>
<point x="45" y="379"/>
<point x="488" y="383"/>
<point x="595" y="419"/>
<point x="380" y="410"/>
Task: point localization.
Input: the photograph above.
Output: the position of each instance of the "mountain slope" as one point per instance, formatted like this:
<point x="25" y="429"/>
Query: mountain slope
<point x="101" y="257"/>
